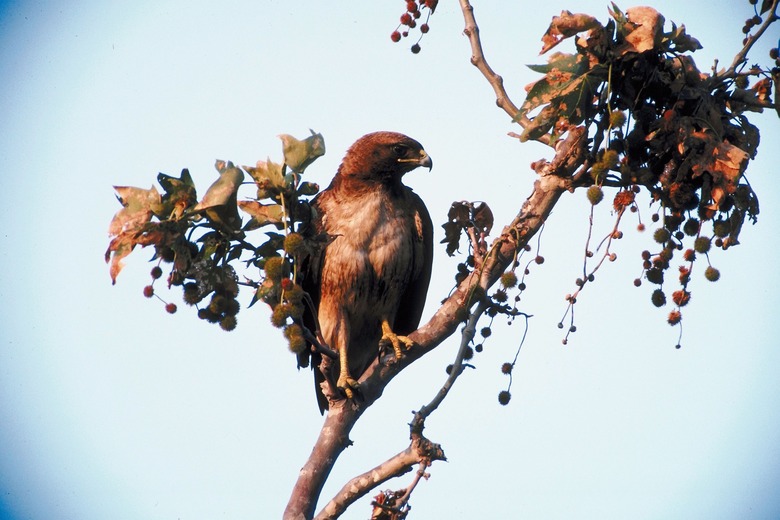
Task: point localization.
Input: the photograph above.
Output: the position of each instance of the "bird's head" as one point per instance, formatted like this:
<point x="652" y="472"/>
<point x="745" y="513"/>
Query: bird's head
<point x="383" y="156"/>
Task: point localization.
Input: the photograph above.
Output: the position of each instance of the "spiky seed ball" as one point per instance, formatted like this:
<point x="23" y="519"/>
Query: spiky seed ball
<point x="640" y="227"/>
<point x="293" y="243"/>
<point x="395" y="36"/>
<point x="721" y="228"/>
<point x="702" y="245"/>
<point x="424" y="28"/>
<point x="406" y="19"/>
<point x="645" y="255"/>
<point x="521" y="286"/>
<point x="506" y="368"/>
<point x="674" y="318"/>
<point x="689" y="255"/>
<point x="207" y="315"/>
<point x="232" y="307"/>
<point x="623" y="199"/>
<point x="661" y="235"/>
<point x="191" y="294"/>
<point x="148" y="291"/>
<point x="448" y="369"/>
<point x="681" y="297"/>
<point x="774" y="52"/>
<point x="503" y="397"/>
<point x="468" y="353"/>
<point x="170" y="308"/>
<point x="637" y="282"/>
<point x="500" y="296"/>
<point x="156" y="272"/>
<point x="273" y="267"/>
<point x="655" y="275"/>
<point x="539" y="259"/>
<point x="711" y="274"/>
<point x="617" y="118"/>
<point x="612" y="257"/>
<point x="486" y="332"/>
<point x="415" y="48"/>
<point x="691" y="227"/>
<point x="217" y="304"/>
<point x="685" y="275"/>
<point x="287" y="284"/>
<point x="658" y="298"/>
<point x="595" y="194"/>
<point x="478" y="348"/>
<point x="228" y="323"/>
<point x="279" y="315"/>
<point x="296" y="344"/>
<point x="509" y="279"/>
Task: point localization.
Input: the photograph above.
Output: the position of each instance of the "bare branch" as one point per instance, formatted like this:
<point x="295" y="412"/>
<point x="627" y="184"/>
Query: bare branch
<point x="478" y="60"/>
<point x="420" y="451"/>
<point x="741" y="56"/>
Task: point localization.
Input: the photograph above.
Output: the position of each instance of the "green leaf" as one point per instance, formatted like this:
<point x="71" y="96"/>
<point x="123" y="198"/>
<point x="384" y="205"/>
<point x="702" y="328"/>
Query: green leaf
<point x="300" y="154"/>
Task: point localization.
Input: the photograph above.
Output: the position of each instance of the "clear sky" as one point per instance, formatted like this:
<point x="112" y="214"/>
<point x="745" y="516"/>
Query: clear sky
<point x="111" y="408"/>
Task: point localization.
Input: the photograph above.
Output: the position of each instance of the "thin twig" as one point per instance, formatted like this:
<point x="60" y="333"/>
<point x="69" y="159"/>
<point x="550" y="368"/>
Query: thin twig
<point x="741" y="56"/>
<point x="497" y="82"/>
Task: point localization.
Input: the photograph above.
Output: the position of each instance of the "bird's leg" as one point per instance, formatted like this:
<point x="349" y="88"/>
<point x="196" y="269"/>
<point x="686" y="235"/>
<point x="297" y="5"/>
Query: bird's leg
<point x="390" y="338"/>
<point x="345" y="382"/>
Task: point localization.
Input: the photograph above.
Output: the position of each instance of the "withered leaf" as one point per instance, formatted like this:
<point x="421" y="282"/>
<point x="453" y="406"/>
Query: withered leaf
<point x="565" y="26"/>
<point x="262" y="214"/>
<point x="138" y="207"/>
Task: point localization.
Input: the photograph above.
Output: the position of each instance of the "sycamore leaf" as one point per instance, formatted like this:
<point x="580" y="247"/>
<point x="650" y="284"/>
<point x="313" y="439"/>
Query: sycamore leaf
<point x="680" y="41"/>
<point x="563" y="71"/>
<point x="262" y="214"/>
<point x="300" y="154"/>
<point x="180" y="193"/>
<point x="643" y="32"/>
<point x="483" y="218"/>
<point x="565" y="26"/>
<point x="268" y="178"/>
<point x="119" y="247"/>
<point x="220" y="203"/>
<point x="138" y="207"/>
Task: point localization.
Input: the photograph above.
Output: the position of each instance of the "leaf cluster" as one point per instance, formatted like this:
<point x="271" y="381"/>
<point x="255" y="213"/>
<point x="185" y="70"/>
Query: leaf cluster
<point x="201" y="239"/>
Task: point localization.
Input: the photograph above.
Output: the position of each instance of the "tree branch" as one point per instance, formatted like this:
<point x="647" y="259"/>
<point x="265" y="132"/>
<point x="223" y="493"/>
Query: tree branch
<point x="420" y="451"/>
<point x="741" y="56"/>
<point x="478" y="60"/>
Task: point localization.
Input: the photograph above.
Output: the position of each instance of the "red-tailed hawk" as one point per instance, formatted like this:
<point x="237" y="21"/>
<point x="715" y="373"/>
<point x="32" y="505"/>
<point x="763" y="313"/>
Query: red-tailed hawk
<point x="369" y="283"/>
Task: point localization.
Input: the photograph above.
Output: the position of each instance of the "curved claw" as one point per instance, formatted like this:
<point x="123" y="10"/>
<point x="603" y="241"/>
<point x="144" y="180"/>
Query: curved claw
<point x="348" y="385"/>
<point x="390" y="338"/>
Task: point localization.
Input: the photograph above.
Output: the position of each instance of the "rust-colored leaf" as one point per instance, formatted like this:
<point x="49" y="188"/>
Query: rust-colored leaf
<point x="565" y="26"/>
<point x="644" y="32"/>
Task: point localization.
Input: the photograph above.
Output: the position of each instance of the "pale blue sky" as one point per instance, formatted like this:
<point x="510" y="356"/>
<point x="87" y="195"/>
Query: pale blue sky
<point x="110" y="408"/>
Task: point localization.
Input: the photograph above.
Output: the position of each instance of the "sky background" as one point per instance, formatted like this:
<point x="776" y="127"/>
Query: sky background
<point x="111" y="408"/>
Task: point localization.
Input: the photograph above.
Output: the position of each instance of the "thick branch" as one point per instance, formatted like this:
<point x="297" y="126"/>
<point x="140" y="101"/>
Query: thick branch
<point x="420" y="450"/>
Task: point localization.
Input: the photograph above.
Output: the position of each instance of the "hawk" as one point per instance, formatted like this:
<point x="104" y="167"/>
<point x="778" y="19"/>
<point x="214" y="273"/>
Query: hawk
<point x="368" y="284"/>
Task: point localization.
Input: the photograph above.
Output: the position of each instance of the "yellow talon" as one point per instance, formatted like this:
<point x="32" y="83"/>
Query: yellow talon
<point x="390" y="338"/>
<point x="347" y="384"/>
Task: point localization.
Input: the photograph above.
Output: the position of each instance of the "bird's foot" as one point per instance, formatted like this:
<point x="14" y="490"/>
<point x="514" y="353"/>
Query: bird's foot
<point x="348" y="385"/>
<point x="398" y="343"/>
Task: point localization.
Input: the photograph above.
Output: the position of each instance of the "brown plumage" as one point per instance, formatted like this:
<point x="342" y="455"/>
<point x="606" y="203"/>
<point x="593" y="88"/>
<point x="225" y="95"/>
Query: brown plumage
<point x="369" y="283"/>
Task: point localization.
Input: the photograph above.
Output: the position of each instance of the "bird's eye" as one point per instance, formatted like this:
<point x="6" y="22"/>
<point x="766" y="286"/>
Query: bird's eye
<point x="399" y="149"/>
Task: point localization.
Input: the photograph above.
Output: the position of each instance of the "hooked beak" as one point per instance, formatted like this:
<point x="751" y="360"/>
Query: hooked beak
<point x="425" y="160"/>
